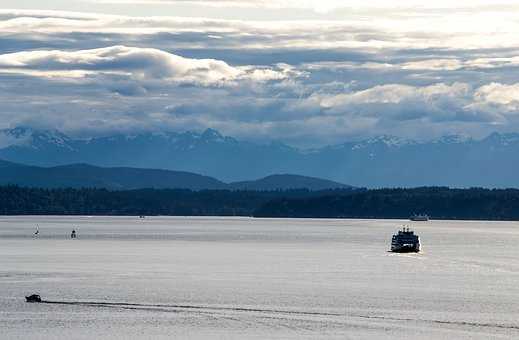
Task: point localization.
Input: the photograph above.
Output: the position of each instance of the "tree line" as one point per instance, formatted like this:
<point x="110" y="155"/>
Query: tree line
<point x="16" y="200"/>
<point x="437" y="202"/>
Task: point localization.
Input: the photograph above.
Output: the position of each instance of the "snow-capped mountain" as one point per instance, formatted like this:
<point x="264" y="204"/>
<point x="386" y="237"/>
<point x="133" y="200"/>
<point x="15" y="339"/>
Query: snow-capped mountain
<point x="383" y="141"/>
<point x="376" y="162"/>
<point x="207" y="152"/>
<point x="36" y="139"/>
<point x="453" y="139"/>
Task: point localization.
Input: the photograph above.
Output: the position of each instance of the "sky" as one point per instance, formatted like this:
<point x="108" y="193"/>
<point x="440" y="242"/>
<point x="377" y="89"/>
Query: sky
<point x="307" y="73"/>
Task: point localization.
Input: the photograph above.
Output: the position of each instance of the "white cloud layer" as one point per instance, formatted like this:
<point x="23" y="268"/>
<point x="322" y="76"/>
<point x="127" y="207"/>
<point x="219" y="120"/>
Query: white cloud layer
<point x="322" y="5"/>
<point x="374" y="29"/>
<point x="139" y="63"/>
<point x="304" y="82"/>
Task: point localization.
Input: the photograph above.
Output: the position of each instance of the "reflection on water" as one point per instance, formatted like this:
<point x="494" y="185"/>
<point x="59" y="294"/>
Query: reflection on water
<point x="235" y="278"/>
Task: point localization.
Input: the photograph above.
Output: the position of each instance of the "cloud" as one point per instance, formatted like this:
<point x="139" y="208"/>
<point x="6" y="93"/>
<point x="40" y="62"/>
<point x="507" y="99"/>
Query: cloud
<point x="374" y="29"/>
<point x="397" y="93"/>
<point x="322" y="5"/>
<point x="300" y="81"/>
<point x="497" y="97"/>
<point x="439" y="102"/>
<point x="140" y="63"/>
<point x="378" y="110"/>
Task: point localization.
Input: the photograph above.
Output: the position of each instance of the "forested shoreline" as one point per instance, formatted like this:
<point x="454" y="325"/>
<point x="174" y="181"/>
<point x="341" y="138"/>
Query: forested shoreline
<point x="438" y="202"/>
<point x="16" y="200"/>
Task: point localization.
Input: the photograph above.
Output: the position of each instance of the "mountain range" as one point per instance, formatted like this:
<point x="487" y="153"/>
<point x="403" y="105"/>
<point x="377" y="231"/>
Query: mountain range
<point x="124" y="178"/>
<point x="383" y="161"/>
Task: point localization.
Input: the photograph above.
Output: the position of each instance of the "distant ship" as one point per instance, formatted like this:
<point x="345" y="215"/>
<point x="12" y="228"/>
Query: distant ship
<point x="419" y="217"/>
<point x="405" y="242"/>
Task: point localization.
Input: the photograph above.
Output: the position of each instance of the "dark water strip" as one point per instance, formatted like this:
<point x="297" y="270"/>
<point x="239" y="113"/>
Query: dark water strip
<point x="166" y="308"/>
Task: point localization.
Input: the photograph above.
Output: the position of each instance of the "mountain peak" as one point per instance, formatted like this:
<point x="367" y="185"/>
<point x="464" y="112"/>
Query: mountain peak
<point x="386" y="140"/>
<point x="19" y="132"/>
<point x="454" y="139"/>
<point x="20" y="135"/>
<point x="211" y="134"/>
<point x="502" y="139"/>
<point x="36" y="139"/>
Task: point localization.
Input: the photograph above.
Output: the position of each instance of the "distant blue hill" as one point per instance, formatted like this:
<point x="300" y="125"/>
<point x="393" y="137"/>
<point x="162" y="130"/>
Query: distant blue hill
<point x="124" y="178"/>
<point x="287" y="182"/>
<point x="383" y="161"/>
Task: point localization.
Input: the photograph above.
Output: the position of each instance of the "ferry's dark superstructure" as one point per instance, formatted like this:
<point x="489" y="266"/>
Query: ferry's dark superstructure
<point x="405" y="242"/>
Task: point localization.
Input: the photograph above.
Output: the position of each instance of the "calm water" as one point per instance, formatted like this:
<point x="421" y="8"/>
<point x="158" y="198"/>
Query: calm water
<point x="239" y="278"/>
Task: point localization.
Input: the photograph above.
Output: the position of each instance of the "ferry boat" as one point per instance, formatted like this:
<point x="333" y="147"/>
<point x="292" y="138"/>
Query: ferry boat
<point x="419" y="218"/>
<point x="406" y="241"/>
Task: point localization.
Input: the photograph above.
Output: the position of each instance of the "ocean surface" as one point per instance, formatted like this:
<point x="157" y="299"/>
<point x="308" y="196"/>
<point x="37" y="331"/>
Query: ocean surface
<point x="244" y="278"/>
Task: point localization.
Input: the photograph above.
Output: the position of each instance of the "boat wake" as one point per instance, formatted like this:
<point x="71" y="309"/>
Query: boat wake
<point x="278" y="312"/>
<point x="185" y="307"/>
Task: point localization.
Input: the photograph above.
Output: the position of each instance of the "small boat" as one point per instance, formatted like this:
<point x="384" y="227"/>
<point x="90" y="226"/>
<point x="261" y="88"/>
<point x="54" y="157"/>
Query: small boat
<point x="33" y="298"/>
<point x="419" y="218"/>
<point x="406" y="241"/>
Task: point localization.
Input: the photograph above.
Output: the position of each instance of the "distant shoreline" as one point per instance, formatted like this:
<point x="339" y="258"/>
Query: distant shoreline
<point x="416" y="223"/>
<point x="439" y="203"/>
